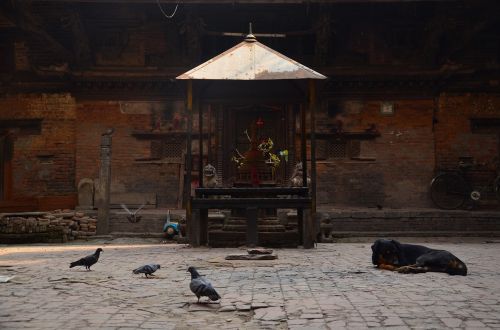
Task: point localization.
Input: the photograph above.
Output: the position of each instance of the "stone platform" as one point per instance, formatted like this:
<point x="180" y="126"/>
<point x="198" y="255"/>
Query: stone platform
<point x="335" y="223"/>
<point x="338" y="223"/>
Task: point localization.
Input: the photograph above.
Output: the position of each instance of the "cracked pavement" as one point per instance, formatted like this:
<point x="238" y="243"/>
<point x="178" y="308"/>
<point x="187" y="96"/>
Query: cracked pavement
<point x="332" y="287"/>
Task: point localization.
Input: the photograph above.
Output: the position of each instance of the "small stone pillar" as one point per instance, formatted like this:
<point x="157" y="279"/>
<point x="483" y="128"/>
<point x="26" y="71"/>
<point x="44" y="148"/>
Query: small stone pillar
<point x="104" y="183"/>
<point x="86" y="194"/>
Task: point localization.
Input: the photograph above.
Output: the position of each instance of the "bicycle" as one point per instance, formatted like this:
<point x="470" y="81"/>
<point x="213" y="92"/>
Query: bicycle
<point x="451" y="189"/>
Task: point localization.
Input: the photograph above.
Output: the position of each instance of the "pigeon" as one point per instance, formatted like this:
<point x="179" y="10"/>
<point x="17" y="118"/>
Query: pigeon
<point x="201" y="287"/>
<point x="147" y="269"/>
<point x="88" y="260"/>
<point x="133" y="216"/>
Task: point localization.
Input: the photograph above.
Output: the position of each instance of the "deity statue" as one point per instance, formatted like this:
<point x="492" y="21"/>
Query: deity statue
<point x="210" y="178"/>
<point x="296" y="178"/>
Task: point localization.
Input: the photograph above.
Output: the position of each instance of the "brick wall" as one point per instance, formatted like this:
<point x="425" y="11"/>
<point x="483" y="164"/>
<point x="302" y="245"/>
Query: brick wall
<point x="128" y="175"/>
<point x="43" y="165"/>
<point x="394" y="169"/>
<point x="454" y="136"/>
<point x="417" y="223"/>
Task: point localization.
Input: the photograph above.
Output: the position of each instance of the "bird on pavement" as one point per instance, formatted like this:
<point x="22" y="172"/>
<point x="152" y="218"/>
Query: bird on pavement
<point x="147" y="269"/>
<point x="88" y="260"/>
<point x="201" y="287"/>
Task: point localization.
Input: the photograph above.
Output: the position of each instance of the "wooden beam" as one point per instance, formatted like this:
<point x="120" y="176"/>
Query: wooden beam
<point x="232" y="2"/>
<point x="25" y="19"/>
<point x="81" y="44"/>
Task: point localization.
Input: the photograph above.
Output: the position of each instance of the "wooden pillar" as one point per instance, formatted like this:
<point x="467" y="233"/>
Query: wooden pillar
<point x="312" y="111"/>
<point x="309" y="215"/>
<point x="198" y="231"/>
<point x="209" y="136"/>
<point x="200" y="218"/>
<point x="252" y="230"/>
<point x="219" y="153"/>
<point x="300" y="225"/>
<point x="305" y="215"/>
<point x="104" y="184"/>
<point x="311" y="219"/>
<point x="199" y="108"/>
<point x="290" y="141"/>
<point x="189" y="163"/>
<point x="308" y="242"/>
<point x="303" y="145"/>
<point x="203" y="227"/>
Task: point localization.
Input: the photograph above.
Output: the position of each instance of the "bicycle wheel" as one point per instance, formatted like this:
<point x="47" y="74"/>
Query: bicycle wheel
<point x="448" y="191"/>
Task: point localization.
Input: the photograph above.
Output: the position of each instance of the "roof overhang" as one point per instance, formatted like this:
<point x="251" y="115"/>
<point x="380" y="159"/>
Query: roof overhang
<point x="251" y="60"/>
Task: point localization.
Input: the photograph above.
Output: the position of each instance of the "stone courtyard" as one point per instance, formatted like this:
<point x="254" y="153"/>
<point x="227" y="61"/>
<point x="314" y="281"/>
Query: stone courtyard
<point x="331" y="287"/>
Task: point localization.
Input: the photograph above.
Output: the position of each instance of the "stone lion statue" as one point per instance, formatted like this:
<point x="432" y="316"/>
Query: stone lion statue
<point x="210" y="178"/>
<point x="296" y="178"/>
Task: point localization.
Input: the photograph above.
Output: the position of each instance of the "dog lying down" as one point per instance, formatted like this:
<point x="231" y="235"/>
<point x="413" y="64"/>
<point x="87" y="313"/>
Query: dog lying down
<point x="410" y="258"/>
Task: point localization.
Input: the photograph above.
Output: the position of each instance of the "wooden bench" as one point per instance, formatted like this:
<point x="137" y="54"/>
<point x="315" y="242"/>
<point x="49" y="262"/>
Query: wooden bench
<point x="251" y="200"/>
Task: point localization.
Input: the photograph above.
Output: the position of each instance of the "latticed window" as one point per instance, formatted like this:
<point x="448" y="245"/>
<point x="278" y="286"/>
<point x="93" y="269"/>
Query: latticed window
<point x="339" y="149"/>
<point x="167" y="148"/>
<point x="336" y="149"/>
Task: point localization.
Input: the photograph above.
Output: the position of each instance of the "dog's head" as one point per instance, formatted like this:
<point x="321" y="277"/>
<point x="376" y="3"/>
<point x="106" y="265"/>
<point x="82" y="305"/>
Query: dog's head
<point x="387" y="252"/>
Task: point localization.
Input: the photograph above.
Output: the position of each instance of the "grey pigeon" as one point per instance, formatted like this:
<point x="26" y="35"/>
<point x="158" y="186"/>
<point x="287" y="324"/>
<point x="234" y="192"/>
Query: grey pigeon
<point x="147" y="269"/>
<point x="88" y="260"/>
<point x="201" y="287"/>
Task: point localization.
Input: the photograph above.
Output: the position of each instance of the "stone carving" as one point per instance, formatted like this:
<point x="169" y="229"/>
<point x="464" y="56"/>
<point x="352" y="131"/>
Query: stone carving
<point x="86" y="193"/>
<point x="296" y="179"/>
<point x="210" y="178"/>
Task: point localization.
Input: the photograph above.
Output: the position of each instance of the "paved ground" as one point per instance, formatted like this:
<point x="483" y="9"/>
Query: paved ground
<point x="331" y="287"/>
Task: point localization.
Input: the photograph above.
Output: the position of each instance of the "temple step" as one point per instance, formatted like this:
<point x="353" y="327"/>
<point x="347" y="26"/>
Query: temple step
<point x="220" y="238"/>
<point x="243" y="228"/>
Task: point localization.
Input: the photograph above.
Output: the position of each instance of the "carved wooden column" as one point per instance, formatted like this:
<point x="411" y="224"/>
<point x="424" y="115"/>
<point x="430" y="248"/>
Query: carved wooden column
<point x="103" y="190"/>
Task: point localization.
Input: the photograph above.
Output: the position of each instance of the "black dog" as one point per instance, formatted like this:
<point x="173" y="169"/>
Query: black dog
<point x="410" y="258"/>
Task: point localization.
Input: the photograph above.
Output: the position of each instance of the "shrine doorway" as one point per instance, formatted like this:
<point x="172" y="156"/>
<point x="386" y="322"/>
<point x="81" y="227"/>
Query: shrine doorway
<point x="264" y="121"/>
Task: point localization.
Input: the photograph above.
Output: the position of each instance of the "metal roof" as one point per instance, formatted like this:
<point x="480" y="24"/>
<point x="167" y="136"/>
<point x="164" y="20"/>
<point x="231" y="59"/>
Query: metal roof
<point x="251" y="60"/>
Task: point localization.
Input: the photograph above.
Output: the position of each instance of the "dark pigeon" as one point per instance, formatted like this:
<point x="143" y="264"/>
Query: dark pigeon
<point x="147" y="269"/>
<point x="88" y="260"/>
<point x="201" y="287"/>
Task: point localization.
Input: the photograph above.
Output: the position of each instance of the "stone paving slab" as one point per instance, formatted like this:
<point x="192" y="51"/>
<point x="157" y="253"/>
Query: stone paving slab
<point x="331" y="287"/>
